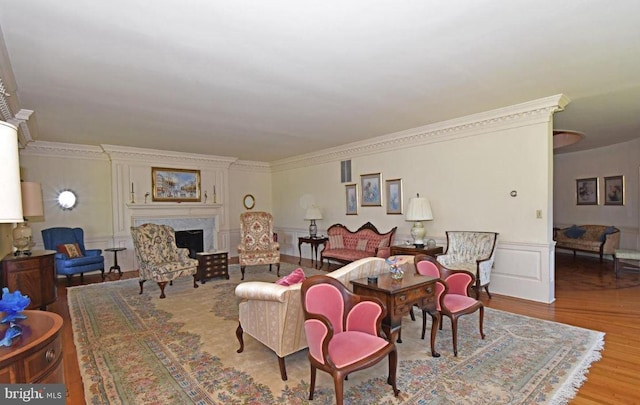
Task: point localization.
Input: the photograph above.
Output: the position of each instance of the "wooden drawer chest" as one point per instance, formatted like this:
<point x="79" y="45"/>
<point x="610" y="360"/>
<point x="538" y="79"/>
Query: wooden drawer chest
<point x="36" y="355"/>
<point x="33" y="275"/>
<point x="212" y="264"/>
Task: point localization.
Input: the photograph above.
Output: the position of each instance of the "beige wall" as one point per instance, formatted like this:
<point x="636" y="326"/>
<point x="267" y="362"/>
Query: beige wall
<point x="90" y="179"/>
<point x="466" y="167"/>
<point x="614" y="160"/>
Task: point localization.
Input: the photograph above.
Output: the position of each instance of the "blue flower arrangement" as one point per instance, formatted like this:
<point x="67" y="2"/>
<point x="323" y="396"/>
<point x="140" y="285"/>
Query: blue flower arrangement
<point x="12" y="304"/>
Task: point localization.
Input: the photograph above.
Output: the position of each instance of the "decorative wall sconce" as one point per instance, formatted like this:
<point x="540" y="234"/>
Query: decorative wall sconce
<point x="67" y="199"/>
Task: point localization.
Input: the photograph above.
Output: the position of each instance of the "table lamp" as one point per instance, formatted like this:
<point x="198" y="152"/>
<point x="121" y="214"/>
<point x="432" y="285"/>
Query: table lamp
<point x="11" y="205"/>
<point x="31" y="207"/>
<point x="419" y="210"/>
<point x="312" y="214"/>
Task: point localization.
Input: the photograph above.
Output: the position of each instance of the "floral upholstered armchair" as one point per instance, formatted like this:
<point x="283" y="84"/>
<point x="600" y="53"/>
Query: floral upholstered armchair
<point x="471" y="251"/>
<point x="256" y="244"/>
<point x="159" y="259"/>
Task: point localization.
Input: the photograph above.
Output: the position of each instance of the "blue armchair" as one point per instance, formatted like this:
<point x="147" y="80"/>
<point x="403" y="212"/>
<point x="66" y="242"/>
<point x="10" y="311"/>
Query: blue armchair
<point x="90" y="259"/>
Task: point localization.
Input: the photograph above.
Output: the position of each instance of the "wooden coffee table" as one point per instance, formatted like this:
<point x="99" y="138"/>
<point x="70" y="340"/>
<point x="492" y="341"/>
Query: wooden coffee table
<point x="399" y="296"/>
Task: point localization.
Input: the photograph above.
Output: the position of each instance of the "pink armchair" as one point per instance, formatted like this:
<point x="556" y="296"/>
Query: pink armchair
<point x="452" y="296"/>
<point x="343" y="332"/>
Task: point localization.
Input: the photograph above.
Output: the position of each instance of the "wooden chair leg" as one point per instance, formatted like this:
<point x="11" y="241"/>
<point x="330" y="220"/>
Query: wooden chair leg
<point x="486" y="288"/>
<point x="239" y="332"/>
<point x="283" y="368"/>
<point x="141" y="283"/>
<point x="195" y="281"/>
<point x="338" y="383"/>
<point x="312" y="383"/>
<point x="454" y="331"/>
<point x="162" y="284"/>
<point x="68" y="280"/>
<point x="278" y="269"/>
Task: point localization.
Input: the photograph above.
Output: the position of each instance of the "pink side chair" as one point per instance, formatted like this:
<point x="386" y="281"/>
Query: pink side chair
<point x="452" y="294"/>
<point x="343" y="332"/>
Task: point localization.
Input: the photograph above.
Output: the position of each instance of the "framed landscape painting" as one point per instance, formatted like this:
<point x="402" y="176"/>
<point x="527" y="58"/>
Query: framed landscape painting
<point x="351" y="194"/>
<point x="393" y="191"/>
<point x="371" y="193"/>
<point x="614" y="190"/>
<point x="177" y="185"/>
<point x="587" y="191"/>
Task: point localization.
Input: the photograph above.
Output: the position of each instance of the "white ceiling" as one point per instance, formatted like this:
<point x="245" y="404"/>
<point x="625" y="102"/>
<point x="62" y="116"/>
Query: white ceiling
<point x="265" y="80"/>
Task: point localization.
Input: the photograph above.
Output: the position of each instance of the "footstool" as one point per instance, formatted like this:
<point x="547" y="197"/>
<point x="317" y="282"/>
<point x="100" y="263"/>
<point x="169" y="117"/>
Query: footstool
<point x="625" y="254"/>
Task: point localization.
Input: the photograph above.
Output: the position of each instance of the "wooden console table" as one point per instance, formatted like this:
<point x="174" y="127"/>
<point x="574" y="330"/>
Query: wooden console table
<point x="399" y="296"/>
<point x="314" y="242"/>
<point x="412" y="250"/>
<point x="33" y="275"/>
<point x="36" y="355"/>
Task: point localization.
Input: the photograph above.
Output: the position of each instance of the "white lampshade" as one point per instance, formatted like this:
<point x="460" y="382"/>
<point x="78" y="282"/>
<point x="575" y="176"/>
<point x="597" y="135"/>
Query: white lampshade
<point x="313" y="212"/>
<point x="419" y="209"/>
<point x="11" y="206"/>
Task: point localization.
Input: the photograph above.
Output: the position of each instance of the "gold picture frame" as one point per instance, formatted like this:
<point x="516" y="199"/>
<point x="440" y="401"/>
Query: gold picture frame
<point x="393" y="195"/>
<point x="371" y="190"/>
<point x="614" y="190"/>
<point x="175" y="185"/>
<point x="351" y="199"/>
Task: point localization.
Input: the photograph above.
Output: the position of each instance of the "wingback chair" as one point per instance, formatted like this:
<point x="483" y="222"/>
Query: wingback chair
<point x="159" y="259"/>
<point x="471" y="251"/>
<point x="73" y="260"/>
<point x="256" y="241"/>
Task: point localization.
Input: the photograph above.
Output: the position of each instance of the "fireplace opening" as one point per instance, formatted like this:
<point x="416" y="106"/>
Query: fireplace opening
<point x="192" y="239"/>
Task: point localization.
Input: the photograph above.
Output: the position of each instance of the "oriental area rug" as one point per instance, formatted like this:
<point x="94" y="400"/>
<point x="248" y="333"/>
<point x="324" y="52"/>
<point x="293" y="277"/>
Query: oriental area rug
<point x="139" y="349"/>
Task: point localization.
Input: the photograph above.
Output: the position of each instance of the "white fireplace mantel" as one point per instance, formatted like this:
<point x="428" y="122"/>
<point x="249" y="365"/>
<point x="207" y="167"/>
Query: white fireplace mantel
<point x="178" y="211"/>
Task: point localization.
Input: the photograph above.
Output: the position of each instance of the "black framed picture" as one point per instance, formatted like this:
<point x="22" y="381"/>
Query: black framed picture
<point x="587" y="191"/>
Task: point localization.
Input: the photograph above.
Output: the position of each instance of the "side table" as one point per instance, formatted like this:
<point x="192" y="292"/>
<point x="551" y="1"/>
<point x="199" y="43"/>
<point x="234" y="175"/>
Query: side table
<point x="399" y="296"/>
<point x="36" y="355"/>
<point x="314" y="242"/>
<point x="212" y="264"/>
<point x="33" y="275"/>
<point x="115" y="258"/>
<point x="412" y="250"/>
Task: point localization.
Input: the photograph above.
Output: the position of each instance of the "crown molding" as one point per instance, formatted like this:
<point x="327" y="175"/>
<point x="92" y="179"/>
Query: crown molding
<point x="251" y="166"/>
<point x="65" y="150"/>
<point x="528" y="113"/>
<point x="127" y="154"/>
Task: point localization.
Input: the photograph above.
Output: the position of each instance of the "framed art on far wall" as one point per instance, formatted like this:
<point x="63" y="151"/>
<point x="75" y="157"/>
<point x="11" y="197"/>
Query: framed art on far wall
<point x="393" y="194"/>
<point x="370" y="185"/>
<point x="351" y="199"/>
<point x="614" y="190"/>
<point x="176" y="185"/>
<point x="587" y="191"/>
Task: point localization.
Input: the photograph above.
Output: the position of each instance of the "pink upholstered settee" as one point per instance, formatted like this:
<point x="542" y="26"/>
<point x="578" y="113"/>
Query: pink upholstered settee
<point x="346" y="246"/>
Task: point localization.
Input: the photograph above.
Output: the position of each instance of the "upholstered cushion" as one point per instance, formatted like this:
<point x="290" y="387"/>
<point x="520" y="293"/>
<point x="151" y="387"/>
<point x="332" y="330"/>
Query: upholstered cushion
<point x="295" y="277"/>
<point x="607" y="231"/>
<point x="362" y="244"/>
<point x="574" y="232"/>
<point x="335" y="241"/>
<point x="384" y="242"/>
<point x="70" y="249"/>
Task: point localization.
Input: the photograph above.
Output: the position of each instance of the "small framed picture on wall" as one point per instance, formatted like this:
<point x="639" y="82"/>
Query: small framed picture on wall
<point x="393" y="191"/>
<point x="587" y="191"/>
<point x="614" y="190"/>
<point x="351" y="195"/>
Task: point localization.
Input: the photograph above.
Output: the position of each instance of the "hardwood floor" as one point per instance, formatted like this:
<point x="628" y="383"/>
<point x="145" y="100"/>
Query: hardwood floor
<point x="587" y="295"/>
